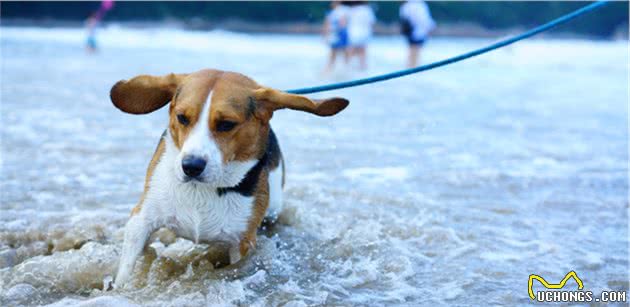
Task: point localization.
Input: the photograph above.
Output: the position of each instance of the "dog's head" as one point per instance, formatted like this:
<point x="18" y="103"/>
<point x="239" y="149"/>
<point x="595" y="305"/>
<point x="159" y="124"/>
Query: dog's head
<point x="219" y="121"/>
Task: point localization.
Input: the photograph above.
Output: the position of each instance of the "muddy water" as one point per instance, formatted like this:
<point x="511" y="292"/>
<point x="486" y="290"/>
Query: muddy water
<point x="445" y="188"/>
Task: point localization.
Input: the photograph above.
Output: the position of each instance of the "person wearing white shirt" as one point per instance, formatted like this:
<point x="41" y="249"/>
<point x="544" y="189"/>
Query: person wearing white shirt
<point x="360" y="23"/>
<point x="336" y="33"/>
<point x="416" y="24"/>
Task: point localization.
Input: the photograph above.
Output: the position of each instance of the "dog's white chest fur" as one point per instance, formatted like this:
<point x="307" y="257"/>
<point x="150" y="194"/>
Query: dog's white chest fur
<point x="202" y="215"/>
<point x="195" y="211"/>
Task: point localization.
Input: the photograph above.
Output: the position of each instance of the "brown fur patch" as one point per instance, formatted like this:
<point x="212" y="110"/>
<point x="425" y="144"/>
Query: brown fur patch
<point x="261" y="202"/>
<point x="159" y="151"/>
<point x="189" y="102"/>
<point x="144" y="94"/>
<point x="232" y="101"/>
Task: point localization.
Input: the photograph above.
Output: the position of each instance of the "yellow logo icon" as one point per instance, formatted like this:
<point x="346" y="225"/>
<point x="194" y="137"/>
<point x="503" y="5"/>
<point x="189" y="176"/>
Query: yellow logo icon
<point x="547" y="285"/>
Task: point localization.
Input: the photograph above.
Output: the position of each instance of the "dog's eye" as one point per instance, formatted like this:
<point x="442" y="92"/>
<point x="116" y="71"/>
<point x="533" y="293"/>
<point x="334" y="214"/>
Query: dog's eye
<point x="225" y="125"/>
<point x="182" y="119"/>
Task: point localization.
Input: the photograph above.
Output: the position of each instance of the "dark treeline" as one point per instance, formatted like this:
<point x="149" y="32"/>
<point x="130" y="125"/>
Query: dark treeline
<point x="492" y="15"/>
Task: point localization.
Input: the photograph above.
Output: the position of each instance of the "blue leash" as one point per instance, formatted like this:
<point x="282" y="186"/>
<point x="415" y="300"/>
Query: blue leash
<point x="405" y="72"/>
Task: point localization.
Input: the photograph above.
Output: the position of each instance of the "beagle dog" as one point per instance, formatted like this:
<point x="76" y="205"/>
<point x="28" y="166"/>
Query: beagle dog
<point x="217" y="171"/>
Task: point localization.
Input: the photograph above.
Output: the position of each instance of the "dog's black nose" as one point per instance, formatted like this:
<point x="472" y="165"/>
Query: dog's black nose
<point x="193" y="166"/>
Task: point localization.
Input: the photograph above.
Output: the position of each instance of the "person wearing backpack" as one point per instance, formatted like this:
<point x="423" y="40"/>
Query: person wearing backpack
<point x="416" y="24"/>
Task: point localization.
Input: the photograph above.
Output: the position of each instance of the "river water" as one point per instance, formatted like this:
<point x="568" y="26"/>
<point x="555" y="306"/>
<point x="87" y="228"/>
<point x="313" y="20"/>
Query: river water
<point x="448" y="187"/>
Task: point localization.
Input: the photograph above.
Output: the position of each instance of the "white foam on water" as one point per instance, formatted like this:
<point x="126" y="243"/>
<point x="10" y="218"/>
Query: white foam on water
<point x="102" y="301"/>
<point x="376" y="174"/>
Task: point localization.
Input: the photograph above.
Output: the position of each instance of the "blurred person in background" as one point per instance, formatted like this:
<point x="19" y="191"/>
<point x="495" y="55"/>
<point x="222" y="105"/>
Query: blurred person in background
<point x="360" y="23"/>
<point x="336" y="33"/>
<point x="416" y="24"/>
<point x="93" y="21"/>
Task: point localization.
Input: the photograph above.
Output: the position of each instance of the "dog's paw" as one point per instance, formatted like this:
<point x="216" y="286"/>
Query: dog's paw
<point x="108" y="283"/>
<point x="235" y="254"/>
<point x="122" y="281"/>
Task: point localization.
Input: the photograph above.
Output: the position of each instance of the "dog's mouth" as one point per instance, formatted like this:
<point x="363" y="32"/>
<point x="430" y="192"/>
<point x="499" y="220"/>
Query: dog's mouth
<point x="187" y="179"/>
<point x="194" y="180"/>
<point x="204" y="180"/>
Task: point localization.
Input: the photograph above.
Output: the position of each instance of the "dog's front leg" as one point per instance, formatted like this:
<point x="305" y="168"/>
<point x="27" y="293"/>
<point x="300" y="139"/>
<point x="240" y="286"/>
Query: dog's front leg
<point x="137" y="231"/>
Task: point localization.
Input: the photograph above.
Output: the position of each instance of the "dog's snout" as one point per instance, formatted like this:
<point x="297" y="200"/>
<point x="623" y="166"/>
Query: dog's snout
<point x="193" y="166"/>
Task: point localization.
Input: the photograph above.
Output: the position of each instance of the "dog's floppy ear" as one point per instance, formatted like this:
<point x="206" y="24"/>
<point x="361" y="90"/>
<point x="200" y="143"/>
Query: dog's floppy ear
<point x="274" y="100"/>
<point x="144" y="94"/>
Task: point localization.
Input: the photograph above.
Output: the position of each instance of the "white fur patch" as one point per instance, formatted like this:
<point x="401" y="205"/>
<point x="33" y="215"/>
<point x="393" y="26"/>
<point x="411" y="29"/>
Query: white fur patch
<point x="275" y="192"/>
<point x="201" y="144"/>
<point x="194" y="209"/>
<point x="234" y="172"/>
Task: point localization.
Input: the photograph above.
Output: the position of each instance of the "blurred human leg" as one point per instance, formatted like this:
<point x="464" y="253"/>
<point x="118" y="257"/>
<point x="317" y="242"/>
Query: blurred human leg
<point x="331" y="60"/>
<point x="361" y="53"/>
<point x="415" y="48"/>
<point x="412" y="59"/>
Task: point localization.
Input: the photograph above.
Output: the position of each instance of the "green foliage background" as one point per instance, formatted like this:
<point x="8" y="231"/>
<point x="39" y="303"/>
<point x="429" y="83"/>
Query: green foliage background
<point x="492" y="15"/>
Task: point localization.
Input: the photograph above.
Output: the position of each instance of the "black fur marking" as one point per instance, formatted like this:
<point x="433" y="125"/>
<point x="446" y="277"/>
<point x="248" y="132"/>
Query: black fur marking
<point x="247" y="186"/>
<point x="251" y="107"/>
<point x="273" y="151"/>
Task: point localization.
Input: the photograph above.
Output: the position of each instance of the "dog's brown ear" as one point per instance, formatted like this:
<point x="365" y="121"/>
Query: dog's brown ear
<point x="274" y="100"/>
<point x="144" y="94"/>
